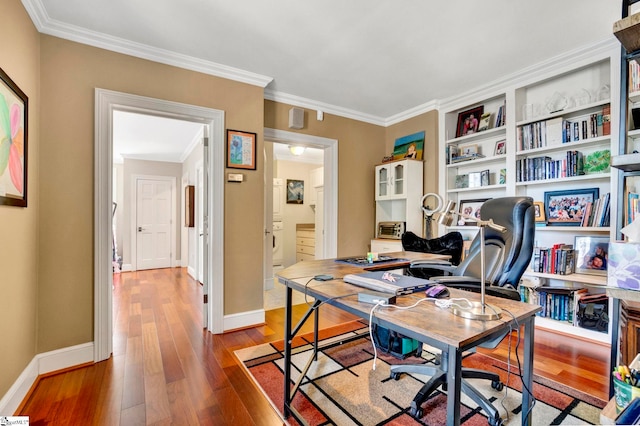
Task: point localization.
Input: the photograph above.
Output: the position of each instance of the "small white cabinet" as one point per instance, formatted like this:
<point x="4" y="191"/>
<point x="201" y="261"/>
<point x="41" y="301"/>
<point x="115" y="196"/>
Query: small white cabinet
<point x="398" y="193"/>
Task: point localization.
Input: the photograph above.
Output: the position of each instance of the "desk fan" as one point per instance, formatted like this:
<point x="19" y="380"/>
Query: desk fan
<point x="428" y="211"/>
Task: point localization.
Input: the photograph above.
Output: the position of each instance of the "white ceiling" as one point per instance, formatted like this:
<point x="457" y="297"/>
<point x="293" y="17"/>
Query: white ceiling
<point x="370" y="60"/>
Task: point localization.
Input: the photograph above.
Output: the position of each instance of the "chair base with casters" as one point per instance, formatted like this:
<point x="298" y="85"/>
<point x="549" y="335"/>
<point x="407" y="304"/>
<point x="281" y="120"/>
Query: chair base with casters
<point x="507" y="255"/>
<point x="439" y="378"/>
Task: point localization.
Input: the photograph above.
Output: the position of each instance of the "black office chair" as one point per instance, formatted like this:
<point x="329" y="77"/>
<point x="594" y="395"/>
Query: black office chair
<point x="507" y="255"/>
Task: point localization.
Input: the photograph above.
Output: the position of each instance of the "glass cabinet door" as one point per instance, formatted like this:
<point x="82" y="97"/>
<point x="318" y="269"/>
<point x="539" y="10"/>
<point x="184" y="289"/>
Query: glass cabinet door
<point x="398" y="180"/>
<point x="383" y="181"/>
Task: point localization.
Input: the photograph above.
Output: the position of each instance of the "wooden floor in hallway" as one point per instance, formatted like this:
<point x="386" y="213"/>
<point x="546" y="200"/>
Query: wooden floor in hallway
<point x="166" y="369"/>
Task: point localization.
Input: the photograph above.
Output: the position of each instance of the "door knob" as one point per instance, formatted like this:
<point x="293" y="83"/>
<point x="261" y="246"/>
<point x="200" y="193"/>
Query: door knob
<point x="139" y="228"/>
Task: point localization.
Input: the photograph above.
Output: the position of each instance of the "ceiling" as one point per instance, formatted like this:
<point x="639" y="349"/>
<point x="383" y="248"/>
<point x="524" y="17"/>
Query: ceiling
<point x="371" y="61"/>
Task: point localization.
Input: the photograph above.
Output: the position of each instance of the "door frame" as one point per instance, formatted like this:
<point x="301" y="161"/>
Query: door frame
<point x="133" y="218"/>
<point x="107" y="101"/>
<point x="330" y="148"/>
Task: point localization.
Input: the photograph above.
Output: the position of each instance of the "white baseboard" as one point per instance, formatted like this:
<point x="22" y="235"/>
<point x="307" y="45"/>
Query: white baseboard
<point x="42" y="364"/>
<point x="192" y="272"/>
<point x="126" y="267"/>
<point x="243" y="320"/>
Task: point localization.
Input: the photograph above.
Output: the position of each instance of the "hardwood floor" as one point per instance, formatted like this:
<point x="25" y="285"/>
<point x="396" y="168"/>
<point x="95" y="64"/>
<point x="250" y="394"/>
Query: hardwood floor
<point x="166" y="369"/>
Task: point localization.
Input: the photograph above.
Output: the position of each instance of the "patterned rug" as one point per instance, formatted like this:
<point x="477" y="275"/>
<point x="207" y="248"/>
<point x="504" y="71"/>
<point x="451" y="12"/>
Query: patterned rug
<point x="341" y="388"/>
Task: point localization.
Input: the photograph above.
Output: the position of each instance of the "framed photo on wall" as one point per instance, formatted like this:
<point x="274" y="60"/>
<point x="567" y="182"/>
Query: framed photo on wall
<point x="295" y="191"/>
<point x="14" y="108"/>
<point x="241" y="150"/>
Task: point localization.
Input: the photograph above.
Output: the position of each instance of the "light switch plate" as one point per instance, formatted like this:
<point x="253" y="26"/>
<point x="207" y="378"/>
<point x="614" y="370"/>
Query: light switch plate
<point x="235" y="177"/>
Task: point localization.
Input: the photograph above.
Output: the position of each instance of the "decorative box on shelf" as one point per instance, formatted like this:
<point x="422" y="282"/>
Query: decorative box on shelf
<point x="623" y="266"/>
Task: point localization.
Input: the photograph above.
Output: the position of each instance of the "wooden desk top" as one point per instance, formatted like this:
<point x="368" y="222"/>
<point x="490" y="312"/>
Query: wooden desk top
<point x="426" y="322"/>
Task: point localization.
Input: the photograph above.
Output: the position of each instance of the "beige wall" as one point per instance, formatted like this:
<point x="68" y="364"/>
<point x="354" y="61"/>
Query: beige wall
<point x="19" y="58"/>
<point x="70" y="72"/>
<point x="427" y="122"/>
<point x="360" y="147"/>
<point x="48" y="267"/>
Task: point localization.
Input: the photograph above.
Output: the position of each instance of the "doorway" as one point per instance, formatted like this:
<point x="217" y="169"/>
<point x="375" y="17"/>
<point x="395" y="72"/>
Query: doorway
<point x="105" y="104"/>
<point x="322" y="214"/>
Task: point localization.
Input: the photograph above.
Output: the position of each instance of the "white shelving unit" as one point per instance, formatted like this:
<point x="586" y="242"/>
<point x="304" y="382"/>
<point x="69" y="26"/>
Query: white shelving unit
<point x="398" y="186"/>
<point x="568" y="90"/>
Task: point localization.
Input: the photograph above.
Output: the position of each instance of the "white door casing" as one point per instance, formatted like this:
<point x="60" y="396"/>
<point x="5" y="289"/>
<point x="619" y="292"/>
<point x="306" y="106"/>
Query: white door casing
<point x="106" y="102"/>
<point x="330" y="179"/>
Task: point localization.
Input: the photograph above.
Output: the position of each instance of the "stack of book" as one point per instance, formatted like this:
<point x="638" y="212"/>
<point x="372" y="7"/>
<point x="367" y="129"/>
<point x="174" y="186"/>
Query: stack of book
<point x="559" y="259"/>
<point x="545" y="167"/>
<point x="501" y="116"/>
<point x="556" y="131"/>
<point x="597" y="213"/>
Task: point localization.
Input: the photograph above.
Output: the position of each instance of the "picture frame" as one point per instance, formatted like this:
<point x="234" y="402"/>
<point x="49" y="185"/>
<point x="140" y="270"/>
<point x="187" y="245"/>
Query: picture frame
<point x="468" y="121"/>
<point x="471" y="208"/>
<point x="410" y="146"/>
<point x="592" y="255"/>
<point x="295" y="191"/>
<point x="566" y="208"/>
<point x="501" y="147"/>
<point x="468" y="150"/>
<point x="539" y="215"/>
<point x="14" y="105"/>
<point x="241" y="150"/>
<point x="485" y="122"/>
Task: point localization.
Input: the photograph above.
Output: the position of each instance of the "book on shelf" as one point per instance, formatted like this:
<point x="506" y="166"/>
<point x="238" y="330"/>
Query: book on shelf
<point x="556" y="131"/>
<point x="558" y="259"/>
<point x="500" y="116"/>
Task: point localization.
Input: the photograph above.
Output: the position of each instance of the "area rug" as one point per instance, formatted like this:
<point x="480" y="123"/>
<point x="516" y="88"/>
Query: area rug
<point x="342" y="388"/>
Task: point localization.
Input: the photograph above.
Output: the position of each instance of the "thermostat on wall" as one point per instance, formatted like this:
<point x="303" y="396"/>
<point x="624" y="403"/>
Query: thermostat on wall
<point x="235" y="177"/>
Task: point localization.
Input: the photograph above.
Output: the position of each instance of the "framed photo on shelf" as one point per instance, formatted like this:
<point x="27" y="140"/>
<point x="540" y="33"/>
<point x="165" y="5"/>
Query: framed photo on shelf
<point x="566" y="208"/>
<point x="501" y="148"/>
<point x="241" y="150"/>
<point x="13" y="143"/>
<point x="539" y="212"/>
<point x="295" y="191"/>
<point x="469" y="121"/>
<point x="468" y="150"/>
<point x="592" y="255"/>
<point x="485" y="122"/>
<point x="470" y="208"/>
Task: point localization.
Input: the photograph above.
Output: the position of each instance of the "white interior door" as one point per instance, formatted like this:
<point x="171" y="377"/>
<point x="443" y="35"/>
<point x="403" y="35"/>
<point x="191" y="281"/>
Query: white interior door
<point x="200" y="222"/>
<point x="153" y="224"/>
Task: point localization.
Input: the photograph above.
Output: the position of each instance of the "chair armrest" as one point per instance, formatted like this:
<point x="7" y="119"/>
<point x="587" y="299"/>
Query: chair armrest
<point x="440" y="265"/>
<point x="454" y="280"/>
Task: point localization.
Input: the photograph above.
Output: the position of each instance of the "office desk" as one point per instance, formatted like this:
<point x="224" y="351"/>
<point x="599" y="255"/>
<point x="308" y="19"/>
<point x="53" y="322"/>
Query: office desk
<point x="426" y="322"/>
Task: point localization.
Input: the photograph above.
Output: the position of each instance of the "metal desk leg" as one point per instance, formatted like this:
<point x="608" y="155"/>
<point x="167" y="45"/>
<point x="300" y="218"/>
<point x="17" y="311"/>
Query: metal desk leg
<point x="527" y="371"/>
<point x="615" y="340"/>
<point x="287" y="352"/>
<point x="454" y="386"/>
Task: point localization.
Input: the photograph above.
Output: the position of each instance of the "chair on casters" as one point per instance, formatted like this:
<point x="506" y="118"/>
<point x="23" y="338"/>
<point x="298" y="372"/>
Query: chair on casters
<point x="507" y="255"/>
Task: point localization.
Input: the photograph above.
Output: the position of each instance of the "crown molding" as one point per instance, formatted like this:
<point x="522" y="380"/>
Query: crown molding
<point x="298" y="101"/>
<point x="413" y="112"/>
<point x="46" y="25"/>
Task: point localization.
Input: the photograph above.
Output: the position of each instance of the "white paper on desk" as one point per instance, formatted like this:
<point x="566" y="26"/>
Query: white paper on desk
<point x="632" y="231"/>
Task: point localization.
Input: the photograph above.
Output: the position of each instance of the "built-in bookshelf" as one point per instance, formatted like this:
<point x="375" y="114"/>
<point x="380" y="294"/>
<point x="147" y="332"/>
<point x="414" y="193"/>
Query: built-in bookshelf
<point x="556" y="134"/>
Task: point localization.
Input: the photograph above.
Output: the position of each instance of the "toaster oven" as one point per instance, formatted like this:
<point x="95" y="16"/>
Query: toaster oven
<point x="391" y="230"/>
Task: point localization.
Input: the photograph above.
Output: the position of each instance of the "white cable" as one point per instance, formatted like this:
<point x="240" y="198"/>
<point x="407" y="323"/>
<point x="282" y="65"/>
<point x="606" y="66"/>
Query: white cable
<point x="441" y="303"/>
<point x="375" y="351"/>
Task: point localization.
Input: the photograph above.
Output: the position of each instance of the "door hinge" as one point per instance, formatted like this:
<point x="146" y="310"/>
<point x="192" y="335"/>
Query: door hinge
<point x="205" y="298"/>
